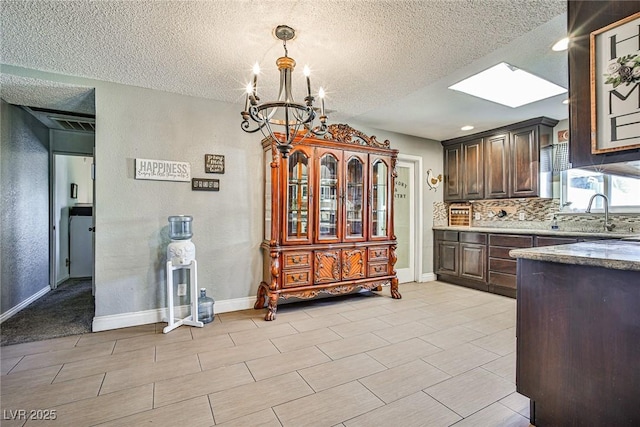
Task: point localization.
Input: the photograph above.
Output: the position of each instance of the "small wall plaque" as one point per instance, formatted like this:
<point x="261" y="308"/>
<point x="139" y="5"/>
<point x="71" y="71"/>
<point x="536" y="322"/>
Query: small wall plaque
<point x="214" y="163"/>
<point x="205" y="184"/>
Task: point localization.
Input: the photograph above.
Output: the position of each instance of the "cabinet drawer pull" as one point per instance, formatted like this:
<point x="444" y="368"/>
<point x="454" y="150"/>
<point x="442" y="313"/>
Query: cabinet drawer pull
<point x="296" y="260"/>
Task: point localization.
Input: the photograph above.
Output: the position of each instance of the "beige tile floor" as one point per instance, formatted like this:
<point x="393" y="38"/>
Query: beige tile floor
<point x="442" y="355"/>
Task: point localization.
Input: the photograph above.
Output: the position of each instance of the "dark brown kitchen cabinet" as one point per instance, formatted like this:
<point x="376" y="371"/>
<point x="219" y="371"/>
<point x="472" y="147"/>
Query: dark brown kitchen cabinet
<point x="524" y="162"/>
<point x="552" y="241"/>
<point x="502" y="268"/>
<point x="460" y="257"/>
<point x="452" y="173"/>
<point x="513" y="168"/>
<point x="482" y="260"/>
<point x="578" y="345"/>
<point x="464" y="171"/>
<point x="328" y="221"/>
<point x="473" y="261"/>
<point x="509" y="162"/>
<point x="496" y="167"/>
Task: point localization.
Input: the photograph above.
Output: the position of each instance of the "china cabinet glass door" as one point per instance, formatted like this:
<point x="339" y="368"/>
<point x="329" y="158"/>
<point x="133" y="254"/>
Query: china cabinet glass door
<point x="298" y="196"/>
<point x="267" y="195"/>
<point x="354" y="198"/>
<point x="379" y="199"/>
<point x="328" y="198"/>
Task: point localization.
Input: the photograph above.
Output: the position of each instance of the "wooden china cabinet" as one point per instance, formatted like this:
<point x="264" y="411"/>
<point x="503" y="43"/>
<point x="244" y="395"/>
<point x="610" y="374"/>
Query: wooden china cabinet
<point x="328" y="217"/>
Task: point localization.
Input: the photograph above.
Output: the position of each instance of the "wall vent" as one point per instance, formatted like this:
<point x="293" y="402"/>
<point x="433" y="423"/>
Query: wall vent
<point x="54" y="119"/>
<point x="74" y="124"/>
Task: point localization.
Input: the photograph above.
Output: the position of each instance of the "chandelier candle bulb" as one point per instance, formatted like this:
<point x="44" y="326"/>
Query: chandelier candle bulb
<point x="249" y="90"/>
<point x="321" y="96"/>
<point x="256" y="71"/>
<point x="307" y="73"/>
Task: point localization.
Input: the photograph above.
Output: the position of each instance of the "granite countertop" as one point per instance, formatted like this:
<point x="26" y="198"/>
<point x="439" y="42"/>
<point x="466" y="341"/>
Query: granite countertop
<point x="614" y="254"/>
<point x="542" y="232"/>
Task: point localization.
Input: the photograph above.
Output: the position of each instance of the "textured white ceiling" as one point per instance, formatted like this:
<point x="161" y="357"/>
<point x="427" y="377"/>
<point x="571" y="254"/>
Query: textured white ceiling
<point x="383" y="63"/>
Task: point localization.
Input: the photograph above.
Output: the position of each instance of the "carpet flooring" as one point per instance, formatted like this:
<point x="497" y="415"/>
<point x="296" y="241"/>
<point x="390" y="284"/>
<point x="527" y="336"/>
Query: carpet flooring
<point x="66" y="310"/>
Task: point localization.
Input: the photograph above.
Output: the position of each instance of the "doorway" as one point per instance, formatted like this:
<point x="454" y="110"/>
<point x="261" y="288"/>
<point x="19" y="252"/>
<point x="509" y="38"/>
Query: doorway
<point x="72" y="217"/>
<point x="407" y="217"/>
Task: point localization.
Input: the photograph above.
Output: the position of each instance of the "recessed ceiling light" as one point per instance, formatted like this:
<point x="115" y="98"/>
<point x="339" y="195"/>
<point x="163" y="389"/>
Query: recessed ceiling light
<point x="467" y="127"/>
<point x="508" y="85"/>
<point x="562" y="44"/>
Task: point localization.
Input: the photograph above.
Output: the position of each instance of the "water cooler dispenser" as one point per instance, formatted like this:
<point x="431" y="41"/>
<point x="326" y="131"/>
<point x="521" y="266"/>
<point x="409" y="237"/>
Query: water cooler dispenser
<point x="181" y="267"/>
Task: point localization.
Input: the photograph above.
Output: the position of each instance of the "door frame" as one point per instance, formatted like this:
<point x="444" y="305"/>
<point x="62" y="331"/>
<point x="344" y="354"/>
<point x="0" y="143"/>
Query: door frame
<point x="53" y="248"/>
<point x="418" y="210"/>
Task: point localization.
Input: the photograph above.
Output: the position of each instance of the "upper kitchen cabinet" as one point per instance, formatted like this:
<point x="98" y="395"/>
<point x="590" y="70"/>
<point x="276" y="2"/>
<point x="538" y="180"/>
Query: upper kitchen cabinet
<point x="463" y="170"/>
<point x="512" y="161"/>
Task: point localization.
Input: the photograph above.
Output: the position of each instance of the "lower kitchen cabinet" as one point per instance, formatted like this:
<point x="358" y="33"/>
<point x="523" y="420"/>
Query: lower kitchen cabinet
<point x="460" y="258"/>
<point x="502" y="268"/>
<point x="481" y="260"/>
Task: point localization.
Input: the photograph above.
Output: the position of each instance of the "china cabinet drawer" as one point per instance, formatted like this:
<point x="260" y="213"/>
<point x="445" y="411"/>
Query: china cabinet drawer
<point x="378" y="269"/>
<point x="378" y="254"/>
<point x="297" y="260"/>
<point x="297" y="278"/>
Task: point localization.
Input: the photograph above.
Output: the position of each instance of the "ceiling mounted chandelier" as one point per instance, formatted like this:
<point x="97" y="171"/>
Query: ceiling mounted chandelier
<point x="284" y="118"/>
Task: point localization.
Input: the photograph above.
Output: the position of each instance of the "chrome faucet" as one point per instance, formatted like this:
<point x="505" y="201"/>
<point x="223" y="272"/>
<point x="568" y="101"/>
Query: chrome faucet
<point x="607" y="226"/>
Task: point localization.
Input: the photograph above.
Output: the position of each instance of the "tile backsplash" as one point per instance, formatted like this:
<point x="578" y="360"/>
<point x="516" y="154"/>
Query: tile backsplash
<point x="537" y="214"/>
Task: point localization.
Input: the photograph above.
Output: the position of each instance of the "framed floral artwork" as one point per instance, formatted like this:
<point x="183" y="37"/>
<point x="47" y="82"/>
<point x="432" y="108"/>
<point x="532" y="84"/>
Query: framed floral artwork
<point x="615" y="86"/>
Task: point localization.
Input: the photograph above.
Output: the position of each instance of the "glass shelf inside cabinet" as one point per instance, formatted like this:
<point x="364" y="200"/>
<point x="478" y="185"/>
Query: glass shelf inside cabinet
<point x="328" y="198"/>
<point x="379" y="200"/>
<point x="354" y="198"/>
<point x="298" y="196"/>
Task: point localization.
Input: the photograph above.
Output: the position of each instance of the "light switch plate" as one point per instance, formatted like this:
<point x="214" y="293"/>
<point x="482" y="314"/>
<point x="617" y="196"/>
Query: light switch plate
<point x="521" y="216"/>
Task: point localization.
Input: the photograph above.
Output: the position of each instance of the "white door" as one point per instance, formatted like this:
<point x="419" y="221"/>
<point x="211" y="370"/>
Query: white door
<point x="404" y="221"/>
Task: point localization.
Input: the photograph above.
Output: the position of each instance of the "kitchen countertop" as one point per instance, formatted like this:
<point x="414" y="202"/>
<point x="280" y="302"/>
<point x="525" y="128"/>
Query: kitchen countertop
<point x="542" y="232"/>
<point x="614" y="254"/>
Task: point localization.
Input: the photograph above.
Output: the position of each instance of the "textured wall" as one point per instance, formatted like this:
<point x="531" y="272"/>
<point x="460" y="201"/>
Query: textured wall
<point x="131" y="215"/>
<point x="24" y="196"/>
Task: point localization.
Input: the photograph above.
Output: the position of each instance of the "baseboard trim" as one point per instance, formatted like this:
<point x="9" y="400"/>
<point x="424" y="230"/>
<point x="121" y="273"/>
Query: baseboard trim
<point x="428" y="277"/>
<point x="13" y="310"/>
<point x="125" y="320"/>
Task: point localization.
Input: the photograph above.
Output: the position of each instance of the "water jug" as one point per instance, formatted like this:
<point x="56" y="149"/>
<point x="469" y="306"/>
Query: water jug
<point x="205" y="307"/>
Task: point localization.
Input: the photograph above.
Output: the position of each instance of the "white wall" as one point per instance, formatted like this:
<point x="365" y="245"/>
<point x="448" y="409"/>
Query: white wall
<point x="131" y="215"/>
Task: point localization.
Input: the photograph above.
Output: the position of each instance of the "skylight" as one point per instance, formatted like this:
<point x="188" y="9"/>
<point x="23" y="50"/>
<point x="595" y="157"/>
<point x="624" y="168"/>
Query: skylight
<point x="508" y="85"/>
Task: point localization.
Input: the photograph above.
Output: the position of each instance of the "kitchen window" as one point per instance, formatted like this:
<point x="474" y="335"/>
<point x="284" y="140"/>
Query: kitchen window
<point x="578" y="185"/>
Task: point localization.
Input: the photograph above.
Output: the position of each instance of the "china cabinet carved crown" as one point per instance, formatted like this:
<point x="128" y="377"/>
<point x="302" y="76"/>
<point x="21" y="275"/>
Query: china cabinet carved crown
<point x="328" y="217"/>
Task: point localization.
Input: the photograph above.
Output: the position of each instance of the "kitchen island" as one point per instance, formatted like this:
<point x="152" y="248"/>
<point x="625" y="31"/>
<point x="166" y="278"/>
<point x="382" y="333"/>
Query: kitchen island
<point x="578" y="333"/>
